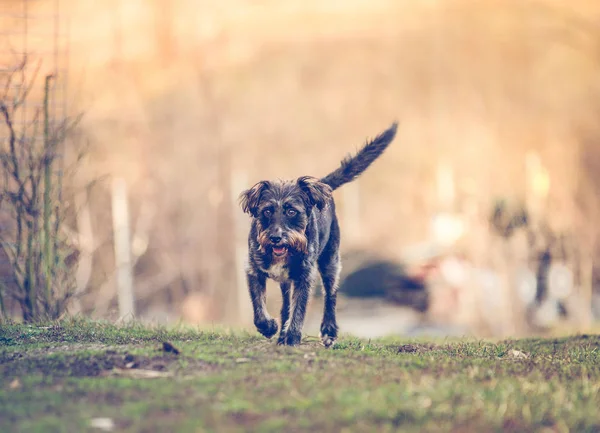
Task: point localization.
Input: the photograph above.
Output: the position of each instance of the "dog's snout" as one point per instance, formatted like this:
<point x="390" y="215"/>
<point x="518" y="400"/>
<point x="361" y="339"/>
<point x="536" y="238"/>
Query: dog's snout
<point x="276" y="234"/>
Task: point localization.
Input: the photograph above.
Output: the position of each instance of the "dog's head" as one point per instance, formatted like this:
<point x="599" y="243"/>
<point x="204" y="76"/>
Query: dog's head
<point x="282" y="210"/>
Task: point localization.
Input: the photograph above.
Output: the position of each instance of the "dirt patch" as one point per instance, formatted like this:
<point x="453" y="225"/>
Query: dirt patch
<point x="10" y="356"/>
<point x="247" y="418"/>
<point x="416" y="348"/>
<point x="89" y="365"/>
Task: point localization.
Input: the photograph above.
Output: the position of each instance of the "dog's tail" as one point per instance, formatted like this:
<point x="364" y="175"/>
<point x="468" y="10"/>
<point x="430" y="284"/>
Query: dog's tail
<point x="353" y="166"/>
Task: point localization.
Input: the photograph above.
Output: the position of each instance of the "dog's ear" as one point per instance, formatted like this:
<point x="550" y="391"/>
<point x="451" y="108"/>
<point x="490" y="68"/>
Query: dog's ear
<point x="318" y="192"/>
<point x="250" y="198"/>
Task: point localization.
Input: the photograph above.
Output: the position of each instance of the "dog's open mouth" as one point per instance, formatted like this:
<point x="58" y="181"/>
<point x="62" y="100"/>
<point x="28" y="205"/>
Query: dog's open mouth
<point x="279" y="251"/>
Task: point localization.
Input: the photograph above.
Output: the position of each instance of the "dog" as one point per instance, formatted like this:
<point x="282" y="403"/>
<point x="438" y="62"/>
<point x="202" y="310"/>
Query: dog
<point x="294" y="235"/>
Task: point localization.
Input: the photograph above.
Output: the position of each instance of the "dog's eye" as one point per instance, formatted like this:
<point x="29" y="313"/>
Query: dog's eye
<point x="291" y="212"/>
<point x="267" y="213"/>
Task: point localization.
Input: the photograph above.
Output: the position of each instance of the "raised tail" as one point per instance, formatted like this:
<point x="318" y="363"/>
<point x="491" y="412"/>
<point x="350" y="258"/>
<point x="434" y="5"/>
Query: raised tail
<point x="353" y="166"/>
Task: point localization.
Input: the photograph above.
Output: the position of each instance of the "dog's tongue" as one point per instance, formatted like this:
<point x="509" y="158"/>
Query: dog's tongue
<point x="278" y="250"/>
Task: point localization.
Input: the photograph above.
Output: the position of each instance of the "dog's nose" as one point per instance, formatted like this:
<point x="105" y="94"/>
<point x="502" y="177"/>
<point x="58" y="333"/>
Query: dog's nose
<point x="275" y="239"/>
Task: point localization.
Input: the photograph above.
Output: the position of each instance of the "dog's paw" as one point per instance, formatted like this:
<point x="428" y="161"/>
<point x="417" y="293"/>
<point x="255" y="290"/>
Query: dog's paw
<point x="268" y="328"/>
<point x="290" y="338"/>
<point x="281" y="339"/>
<point x="328" y="340"/>
<point x="328" y="335"/>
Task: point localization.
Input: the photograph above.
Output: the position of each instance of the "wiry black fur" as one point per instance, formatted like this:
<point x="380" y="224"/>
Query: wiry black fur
<point x="295" y="234"/>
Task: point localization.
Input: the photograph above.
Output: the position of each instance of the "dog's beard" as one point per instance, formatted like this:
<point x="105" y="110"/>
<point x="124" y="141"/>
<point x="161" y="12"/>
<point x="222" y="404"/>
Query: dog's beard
<point x="293" y="240"/>
<point x="263" y="241"/>
<point x="297" y="241"/>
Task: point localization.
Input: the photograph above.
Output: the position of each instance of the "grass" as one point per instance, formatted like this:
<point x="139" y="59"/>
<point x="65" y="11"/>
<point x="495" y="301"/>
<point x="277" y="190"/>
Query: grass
<point x="63" y="376"/>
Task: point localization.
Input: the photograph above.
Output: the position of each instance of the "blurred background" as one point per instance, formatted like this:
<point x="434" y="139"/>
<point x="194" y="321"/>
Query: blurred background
<point x="480" y="219"/>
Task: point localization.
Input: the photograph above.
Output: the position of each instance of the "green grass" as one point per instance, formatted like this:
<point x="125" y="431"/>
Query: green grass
<point x="58" y="377"/>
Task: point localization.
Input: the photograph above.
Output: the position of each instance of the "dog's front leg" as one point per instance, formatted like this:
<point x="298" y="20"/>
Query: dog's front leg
<point x="291" y="333"/>
<point x="257" y="284"/>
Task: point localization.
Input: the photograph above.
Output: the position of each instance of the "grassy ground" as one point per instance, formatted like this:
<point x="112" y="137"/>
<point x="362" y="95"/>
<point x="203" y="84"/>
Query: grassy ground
<point x="82" y="376"/>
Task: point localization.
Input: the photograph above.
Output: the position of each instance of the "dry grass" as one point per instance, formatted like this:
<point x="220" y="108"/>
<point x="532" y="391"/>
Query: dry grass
<point x="63" y="376"/>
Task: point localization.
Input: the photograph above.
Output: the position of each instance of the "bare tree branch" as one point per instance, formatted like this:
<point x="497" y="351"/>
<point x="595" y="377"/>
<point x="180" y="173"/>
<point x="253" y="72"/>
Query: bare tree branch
<point x="41" y="256"/>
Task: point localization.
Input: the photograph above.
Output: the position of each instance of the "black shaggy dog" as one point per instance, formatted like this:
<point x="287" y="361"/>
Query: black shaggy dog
<point x="294" y="233"/>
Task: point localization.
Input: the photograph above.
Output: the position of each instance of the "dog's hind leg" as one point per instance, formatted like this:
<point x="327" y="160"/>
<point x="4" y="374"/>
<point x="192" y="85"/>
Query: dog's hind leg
<point x="265" y="324"/>
<point x="330" y="268"/>
<point x="286" y="292"/>
<point x="291" y="332"/>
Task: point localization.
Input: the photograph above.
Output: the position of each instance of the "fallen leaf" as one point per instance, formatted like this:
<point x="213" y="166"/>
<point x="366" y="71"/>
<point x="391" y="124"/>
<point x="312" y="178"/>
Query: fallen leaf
<point x="16" y="383"/>
<point x="140" y="373"/>
<point x="169" y="348"/>
<point x="517" y="354"/>
<point x="242" y="360"/>
<point x="106" y="424"/>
